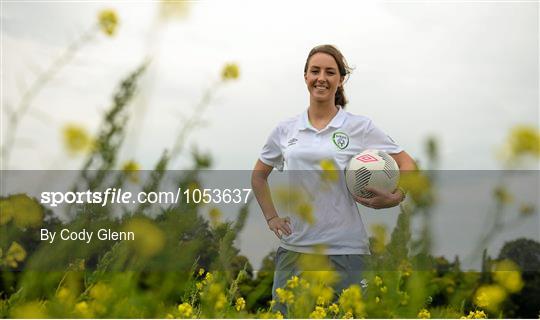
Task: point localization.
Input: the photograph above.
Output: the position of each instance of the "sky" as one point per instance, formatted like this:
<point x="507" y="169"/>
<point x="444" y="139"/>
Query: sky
<point x="463" y="72"/>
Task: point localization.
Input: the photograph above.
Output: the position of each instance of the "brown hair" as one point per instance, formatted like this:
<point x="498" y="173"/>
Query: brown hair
<point x="343" y="67"/>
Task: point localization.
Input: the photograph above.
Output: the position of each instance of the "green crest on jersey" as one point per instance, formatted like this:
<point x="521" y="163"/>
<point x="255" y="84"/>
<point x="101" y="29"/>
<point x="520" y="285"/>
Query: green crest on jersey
<point x="341" y="140"/>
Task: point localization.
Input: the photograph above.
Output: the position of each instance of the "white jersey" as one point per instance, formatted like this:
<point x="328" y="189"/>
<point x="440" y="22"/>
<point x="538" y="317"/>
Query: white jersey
<point x="300" y="148"/>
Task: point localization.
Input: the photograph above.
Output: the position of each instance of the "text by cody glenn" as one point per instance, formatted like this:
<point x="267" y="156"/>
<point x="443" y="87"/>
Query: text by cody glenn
<point x="85" y="235"/>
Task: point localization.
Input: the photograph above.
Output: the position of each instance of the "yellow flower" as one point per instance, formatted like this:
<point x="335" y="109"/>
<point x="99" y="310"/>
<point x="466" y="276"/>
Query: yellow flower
<point x="417" y="185"/>
<point x="524" y="140"/>
<point x="525" y="209"/>
<point x="285" y="296"/>
<point x="83" y="310"/>
<point x="293" y="282"/>
<point x="173" y="9"/>
<point x="489" y="297"/>
<point x="64" y="294"/>
<point x="100" y="291"/>
<point x="131" y="170"/>
<point x="230" y="72"/>
<point x="348" y="315"/>
<point x="323" y="293"/>
<point x="76" y="139"/>
<point x="149" y="238"/>
<point x="318" y="313"/>
<point x="305" y="211"/>
<point x="378" y="281"/>
<point x="215" y="216"/>
<point x="199" y="285"/>
<point x="240" y="304"/>
<point x="329" y="171"/>
<point x="15" y="254"/>
<point x="333" y="308"/>
<point x="351" y="300"/>
<point x="278" y="315"/>
<point x="424" y="314"/>
<point x="108" y="21"/>
<point x="29" y="310"/>
<point x="185" y="310"/>
<point x="201" y="272"/>
<point x="271" y="303"/>
<point x="503" y="196"/>
<point x="25" y="211"/>
<point x="209" y="277"/>
<point x="384" y="289"/>
<point x="506" y="273"/>
<point x="477" y="314"/>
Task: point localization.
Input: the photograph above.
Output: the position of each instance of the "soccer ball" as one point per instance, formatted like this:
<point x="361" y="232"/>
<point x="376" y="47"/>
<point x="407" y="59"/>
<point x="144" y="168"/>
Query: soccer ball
<point x="371" y="168"/>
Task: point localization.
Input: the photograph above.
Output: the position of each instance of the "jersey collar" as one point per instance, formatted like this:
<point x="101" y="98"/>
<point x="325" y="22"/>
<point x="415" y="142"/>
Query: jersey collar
<point x="336" y="122"/>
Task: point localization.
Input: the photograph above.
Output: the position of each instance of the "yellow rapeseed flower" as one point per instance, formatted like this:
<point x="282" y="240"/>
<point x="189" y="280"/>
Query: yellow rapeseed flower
<point x="15" y="254"/>
<point x="329" y="171"/>
<point x="199" y="285"/>
<point x="64" y="295"/>
<point x="417" y="185"/>
<point x="108" y="21"/>
<point x="506" y="273"/>
<point x="285" y="296"/>
<point x="378" y="281"/>
<point x="524" y="140"/>
<point x="25" y="211"/>
<point x="424" y="314"/>
<point x="185" y="310"/>
<point x="323" y="293"/>
<point x="240" y="304"/>
<point x="215" y="216"/>
<point x="209" y="277"/>
<point x="131" y="170"/>
<point x="173" y="9"/>
<point x="348" y="315"/>
<point x="350" y="300"/>
<point x="293" y="282"/>
<point x="477" y="314"/>
<point x="201" y="271"/>
<point x="149" y="238"/>
<point x="76" y="139"/>
<point x="503" y="196"/>
<point x="230" y="71"/>
<point x="83" y="309"/>
<point x="318" y="313"/>
<point x="525" y="209"/>
<point x="489" y="297"/>
<point x="334" y="308"/>
<point x="305" y="212"/>
<point x="100" y="291"/>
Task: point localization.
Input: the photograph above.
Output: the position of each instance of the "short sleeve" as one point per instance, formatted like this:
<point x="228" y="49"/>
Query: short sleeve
<point x="271" y="153"/>
<point x="375" y="138"/>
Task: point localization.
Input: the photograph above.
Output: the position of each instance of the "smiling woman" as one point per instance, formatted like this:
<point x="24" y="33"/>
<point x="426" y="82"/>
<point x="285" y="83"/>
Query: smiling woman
<point x="324" y="138"/>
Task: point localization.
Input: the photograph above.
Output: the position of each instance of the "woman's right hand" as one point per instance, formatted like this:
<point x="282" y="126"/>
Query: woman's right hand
<point x="280" y="226"/>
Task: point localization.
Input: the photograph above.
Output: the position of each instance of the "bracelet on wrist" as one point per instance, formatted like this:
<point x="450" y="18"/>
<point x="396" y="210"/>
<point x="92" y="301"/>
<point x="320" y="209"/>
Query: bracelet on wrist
<point x="268" y="220"/>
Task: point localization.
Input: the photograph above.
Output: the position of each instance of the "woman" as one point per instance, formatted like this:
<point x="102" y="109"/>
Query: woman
<point x="323" y="133"/>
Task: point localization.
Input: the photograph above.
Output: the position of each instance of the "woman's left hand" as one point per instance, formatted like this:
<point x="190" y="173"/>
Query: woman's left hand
<point x="382" y="199"/>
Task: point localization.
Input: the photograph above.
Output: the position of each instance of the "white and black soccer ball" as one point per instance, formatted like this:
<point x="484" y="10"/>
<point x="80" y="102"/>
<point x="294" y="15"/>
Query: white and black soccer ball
<point x="371" y="168"/>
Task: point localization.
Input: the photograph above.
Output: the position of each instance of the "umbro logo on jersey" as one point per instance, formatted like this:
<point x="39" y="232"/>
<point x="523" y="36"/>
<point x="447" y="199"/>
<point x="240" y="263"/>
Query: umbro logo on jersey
<point x="291" y="142"/>
<point x="341" y="140"/>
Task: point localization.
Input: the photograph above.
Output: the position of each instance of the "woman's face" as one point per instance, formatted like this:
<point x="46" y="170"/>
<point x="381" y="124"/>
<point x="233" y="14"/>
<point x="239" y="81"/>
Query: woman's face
<point x="322" y="77"/>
